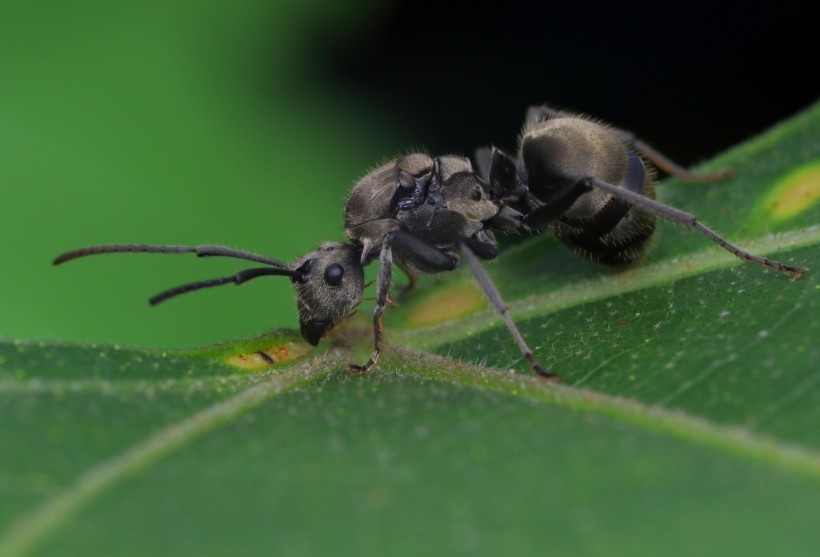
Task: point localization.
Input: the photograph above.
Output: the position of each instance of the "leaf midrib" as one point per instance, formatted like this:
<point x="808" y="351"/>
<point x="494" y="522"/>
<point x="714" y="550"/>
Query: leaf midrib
<point x="30" y="529"/>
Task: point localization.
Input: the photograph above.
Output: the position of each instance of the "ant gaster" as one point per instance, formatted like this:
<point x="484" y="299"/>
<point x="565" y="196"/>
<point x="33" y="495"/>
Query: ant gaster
<point x="583" y="179"/>
<point x="588" y="183"/>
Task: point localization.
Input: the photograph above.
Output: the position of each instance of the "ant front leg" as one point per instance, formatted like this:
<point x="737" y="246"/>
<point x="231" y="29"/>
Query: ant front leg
<point x="382" y="292"/>
<point x="410" y="251"/>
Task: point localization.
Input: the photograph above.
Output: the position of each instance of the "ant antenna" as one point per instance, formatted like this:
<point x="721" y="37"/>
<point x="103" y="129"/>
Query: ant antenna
<point x="279" y="267"/>
<point x="237" y="278"/>
<point x="201" y="251"/>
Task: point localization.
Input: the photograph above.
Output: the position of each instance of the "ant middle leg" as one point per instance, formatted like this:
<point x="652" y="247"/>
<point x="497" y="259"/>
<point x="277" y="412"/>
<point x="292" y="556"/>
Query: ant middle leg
<point x="491" y="292"/>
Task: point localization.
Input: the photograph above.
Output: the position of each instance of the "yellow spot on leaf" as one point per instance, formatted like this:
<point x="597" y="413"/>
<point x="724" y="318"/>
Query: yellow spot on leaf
<point x="275" y="354"/>
<point x="796" y="192"/>
<point x="448" y="303"/>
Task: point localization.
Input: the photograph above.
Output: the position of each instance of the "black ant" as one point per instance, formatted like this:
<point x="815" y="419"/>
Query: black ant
<point x="585" y="180"/>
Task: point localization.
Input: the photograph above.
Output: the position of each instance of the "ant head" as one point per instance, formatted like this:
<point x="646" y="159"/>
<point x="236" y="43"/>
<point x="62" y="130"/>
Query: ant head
<point x="329" y="280"/>
<point x="329" y="285"/>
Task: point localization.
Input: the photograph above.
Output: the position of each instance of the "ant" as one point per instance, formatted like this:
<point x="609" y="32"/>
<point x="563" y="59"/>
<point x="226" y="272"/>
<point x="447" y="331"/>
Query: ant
<point x="585" y="180"/>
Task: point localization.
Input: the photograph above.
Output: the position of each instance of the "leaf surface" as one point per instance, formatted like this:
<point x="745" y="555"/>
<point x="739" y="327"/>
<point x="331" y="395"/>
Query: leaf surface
<point x="686" y="422"/>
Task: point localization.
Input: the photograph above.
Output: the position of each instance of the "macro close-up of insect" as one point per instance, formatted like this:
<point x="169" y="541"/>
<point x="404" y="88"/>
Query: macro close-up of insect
<point x="404" y="278"/>
<point x="591" y="184"/>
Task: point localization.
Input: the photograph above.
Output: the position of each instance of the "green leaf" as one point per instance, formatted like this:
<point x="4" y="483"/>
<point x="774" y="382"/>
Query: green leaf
<point x="686" y="422"/>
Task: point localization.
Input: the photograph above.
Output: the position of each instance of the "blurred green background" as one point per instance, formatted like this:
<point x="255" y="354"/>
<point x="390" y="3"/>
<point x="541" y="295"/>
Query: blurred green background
<point x="245" y="123"/>
<point x="157" y="122"/>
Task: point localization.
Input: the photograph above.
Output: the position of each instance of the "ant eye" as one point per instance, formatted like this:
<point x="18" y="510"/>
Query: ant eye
<point x="334" y="274"/>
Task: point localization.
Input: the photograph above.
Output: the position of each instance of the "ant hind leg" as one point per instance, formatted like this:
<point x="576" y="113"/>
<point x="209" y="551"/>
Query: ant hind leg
<point x="689" y="220"/>
<point x="667" y="165"/>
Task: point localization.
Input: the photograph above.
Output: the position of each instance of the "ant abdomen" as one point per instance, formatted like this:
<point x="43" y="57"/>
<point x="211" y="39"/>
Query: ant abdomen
<point x="557" y="154"/>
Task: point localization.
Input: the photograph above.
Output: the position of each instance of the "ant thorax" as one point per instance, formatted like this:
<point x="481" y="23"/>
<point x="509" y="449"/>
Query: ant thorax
<point x="441" y="201"/>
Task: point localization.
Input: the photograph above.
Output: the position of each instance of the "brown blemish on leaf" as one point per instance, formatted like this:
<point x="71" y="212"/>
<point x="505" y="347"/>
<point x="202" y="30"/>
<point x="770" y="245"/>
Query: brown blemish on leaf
<point x="448" y="303"/>
<point x="268" y="356"/>
<point x="795" y="193"/>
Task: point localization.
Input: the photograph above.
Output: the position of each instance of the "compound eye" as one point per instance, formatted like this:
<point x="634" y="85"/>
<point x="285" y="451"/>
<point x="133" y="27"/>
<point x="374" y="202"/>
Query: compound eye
<point x="333" y="274"/>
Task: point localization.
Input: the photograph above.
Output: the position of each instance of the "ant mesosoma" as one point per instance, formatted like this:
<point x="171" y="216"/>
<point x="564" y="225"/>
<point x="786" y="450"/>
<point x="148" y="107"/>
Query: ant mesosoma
<point x="583" y="179"/>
